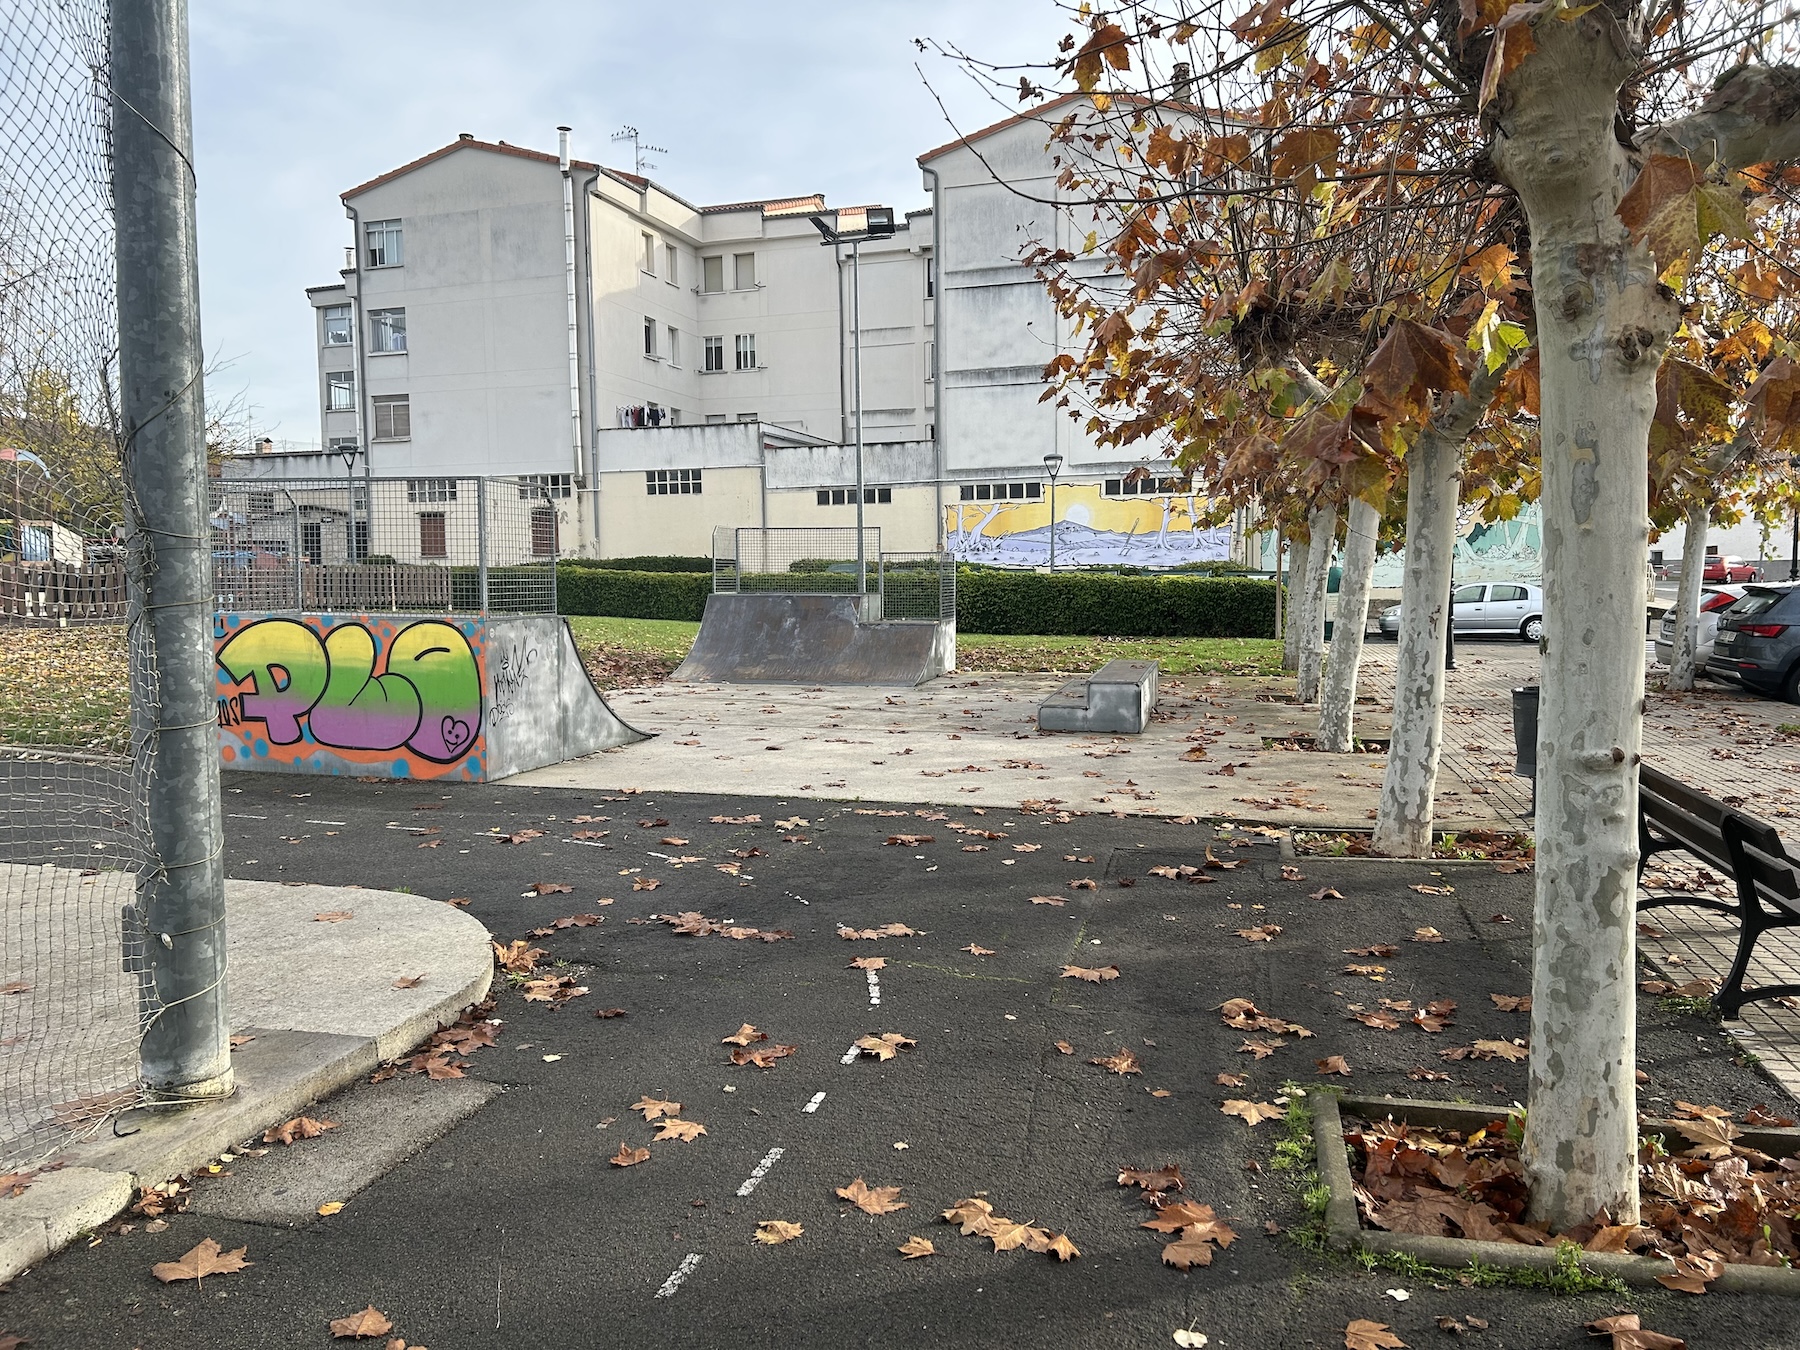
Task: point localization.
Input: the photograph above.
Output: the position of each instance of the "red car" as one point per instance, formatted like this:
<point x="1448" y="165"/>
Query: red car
<point x="1729" y="570"/>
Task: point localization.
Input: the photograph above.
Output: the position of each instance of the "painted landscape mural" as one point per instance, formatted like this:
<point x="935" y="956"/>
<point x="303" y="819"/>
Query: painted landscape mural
<point x="1092" y="529"/>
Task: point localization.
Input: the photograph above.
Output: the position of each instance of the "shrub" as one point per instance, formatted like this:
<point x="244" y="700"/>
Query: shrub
<point x="632" y="595"/>
<point x="668" y="563"/>
<point x="1089" y="604"/>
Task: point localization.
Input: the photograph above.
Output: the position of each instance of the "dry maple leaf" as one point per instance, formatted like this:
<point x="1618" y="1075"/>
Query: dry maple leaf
<point x="199" y="1262"/>
<point x="1427" y="1076"/>
<point x="333" y="916"/>
<point x="915" y="1247"/>
<point x="1026" y="848"/>
<point x="762" y="1057"/>
<point x="1432" y="890"/>
<point x="518" y="957"/>
<point x="910" y="840"/>
<point x="1379" y="1020"/>
<point x="1291" y="873"/>
<point x="1189" y="1250"/>
<point x="553" y="989"/>
<point x="409" y="982"/>
<point x="885" y="1045"/>
<point x="1362" y="1334"/>
<point x="1628" y="1333"/>
<point x="1122" y="1063"/>
<point x="14" y="1183"/>
<point x="1512" y="1002"/>
<point x="300" y="1127"/>
<point x="1084" y="884"/>
<point x="1326" y="893"/>
<point x="1065" y="1048"/>
<point x="611" y="1012"/>
<point x="774" y="1232"/>
<point x="1230" y="1080"/>
<point x="872" y="1199"/>
<point x="973" y="950"/>
<point x="1091" y="976"/>
<point x="551" y="888"/>
<point x="1007" y="1234"/>
<point x="1333" y="1064"/>
<point x="1261" y="1049"/>
<point x="644" y="883"/>
<point x="1165" y="1178"/>
<point x="652" y="1107"/>
<point x="685" y="1130"/>
<point x="868" y="963"/>
<point x="524" y="836"/>
<point x="1263" y="932"/>
<point x="744" y="1035"/>
<point x="1252" y="1113"/>
<point x="1048" y="900"/>
<point x="973" y="1215"/>
<point x="361" y="1326"/>
<point x="627" y="1156"/>
<point x="1427" y="935"/>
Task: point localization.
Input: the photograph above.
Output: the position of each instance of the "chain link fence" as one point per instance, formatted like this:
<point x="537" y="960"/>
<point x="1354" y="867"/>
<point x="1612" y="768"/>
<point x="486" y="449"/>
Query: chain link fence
<point x="822" y="560"/>
<point x="75" y="996"/>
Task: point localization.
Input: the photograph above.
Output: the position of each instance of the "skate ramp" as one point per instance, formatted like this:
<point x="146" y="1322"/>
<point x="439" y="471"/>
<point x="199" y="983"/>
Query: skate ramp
<point x="813" y="639"/>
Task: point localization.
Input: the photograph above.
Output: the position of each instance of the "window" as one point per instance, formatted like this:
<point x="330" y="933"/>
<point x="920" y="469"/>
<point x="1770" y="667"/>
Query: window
<point x="262" y="503"/>
<point x="340" y="391"/>
<point x="671" y="265"/>
<point x="543" y="532"/>
<point x="1466" y="595"/>
<point x="1507" y="593"/>
<point x="383" y="238"/>
<point x="393" y="417"/>
<point x="743" y="271"/>
<point x="715" y="353"/>
<point x="337" y="325"/>
<point x="430" y="490"/>
<point x="312" y="542"/>
<point x="712" y="275"/>
<point x="746" y="351"/>
<point x="716" y="419"/>
<point x="930" y="277"/>
<point x="533" y="486"/>
<point x="847" y="496"/>
<point x="649" y="336"/>
<point x="746" y="417"/>
<point x="674" y="345"/>
<point x="650" y="254"/>
<point x="1000" y="492"/>
<point x="387" y="330"/>
<point x="930" y="362"/>
<point x="431" y="535"/>
<point x="671" y="482"/>
<point x="1140" y="487"/>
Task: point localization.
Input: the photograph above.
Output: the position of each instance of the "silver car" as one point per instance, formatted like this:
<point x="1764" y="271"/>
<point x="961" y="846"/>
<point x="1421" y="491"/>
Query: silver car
<point x="1714" y="601"/>
<point x="1513" y="608"/>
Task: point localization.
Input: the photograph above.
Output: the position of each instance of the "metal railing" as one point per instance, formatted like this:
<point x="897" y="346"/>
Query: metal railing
<point x="822" y="561"/>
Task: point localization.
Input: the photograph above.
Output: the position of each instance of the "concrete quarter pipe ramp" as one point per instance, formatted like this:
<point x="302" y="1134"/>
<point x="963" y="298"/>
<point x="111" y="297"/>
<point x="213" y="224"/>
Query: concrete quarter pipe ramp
<point x="813" y="639"/>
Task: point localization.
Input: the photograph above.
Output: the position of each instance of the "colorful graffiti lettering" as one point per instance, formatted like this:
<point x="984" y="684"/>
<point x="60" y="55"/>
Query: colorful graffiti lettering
<point x="426" y="700"/>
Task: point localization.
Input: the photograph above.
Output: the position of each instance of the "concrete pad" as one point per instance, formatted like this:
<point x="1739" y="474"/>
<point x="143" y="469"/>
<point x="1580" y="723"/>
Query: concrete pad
<point x="54" y="1209"/>
<point x="288" y="970"/>
<point x="379" y="1126"/>
<point x="1118" y="699"/>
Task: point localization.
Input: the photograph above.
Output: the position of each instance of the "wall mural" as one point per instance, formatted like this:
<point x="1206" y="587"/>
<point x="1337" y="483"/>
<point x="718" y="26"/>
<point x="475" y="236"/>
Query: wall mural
<point x="354" y="694"/>
<point x="1508" y="550"/>
<point x="1091" y="529"/>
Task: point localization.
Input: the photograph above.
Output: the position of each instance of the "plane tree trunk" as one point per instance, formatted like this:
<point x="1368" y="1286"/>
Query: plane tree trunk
<point x="1687" y="600"/>
<point x="1337" y="714"/>
<point x="1312" y="603"/>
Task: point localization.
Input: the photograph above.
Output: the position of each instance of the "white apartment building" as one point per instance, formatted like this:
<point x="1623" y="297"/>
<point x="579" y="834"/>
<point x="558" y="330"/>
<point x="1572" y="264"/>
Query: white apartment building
<point x="665" y="367"/>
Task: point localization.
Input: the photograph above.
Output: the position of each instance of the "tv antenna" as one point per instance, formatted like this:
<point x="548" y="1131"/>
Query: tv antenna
<point x="639" y="148"/>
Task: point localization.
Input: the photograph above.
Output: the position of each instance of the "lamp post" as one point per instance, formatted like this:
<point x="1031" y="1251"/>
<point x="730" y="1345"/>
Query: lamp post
<point x="1794" y="546"/>
<point x="348" y="453"/>
<point x="878" y="223"/>
<point x="1053" y="465"/>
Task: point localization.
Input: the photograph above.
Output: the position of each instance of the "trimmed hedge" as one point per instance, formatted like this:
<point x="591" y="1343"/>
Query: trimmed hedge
<point x="632" y="595"/>
<point x="987" y="601"/>
<point x="660" y="563"/>
<point x="1077" y="604"/>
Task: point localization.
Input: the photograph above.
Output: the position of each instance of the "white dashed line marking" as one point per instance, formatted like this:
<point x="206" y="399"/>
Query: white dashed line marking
<point x="850" y="1054"/>
<point x="874" y="990"/>
<point x="232" y="815"/>
<point x="680" y="1273"/>
<point x="813" y="1105"/>
<point x="770" y="1158"/>
<point x="327" y="822"/>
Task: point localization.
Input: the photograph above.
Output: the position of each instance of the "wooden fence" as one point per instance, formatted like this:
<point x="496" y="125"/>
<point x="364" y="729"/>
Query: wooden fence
<point x="40" y="594"/>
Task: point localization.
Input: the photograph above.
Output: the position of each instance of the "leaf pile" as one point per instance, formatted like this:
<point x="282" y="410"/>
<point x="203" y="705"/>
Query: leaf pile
<point x="1195" y="1233"/>
<point x="871" y="934"/>
<point x="692" y="923"/>
<point x="976" y="1218"/>
<point x="444" y="1055"/>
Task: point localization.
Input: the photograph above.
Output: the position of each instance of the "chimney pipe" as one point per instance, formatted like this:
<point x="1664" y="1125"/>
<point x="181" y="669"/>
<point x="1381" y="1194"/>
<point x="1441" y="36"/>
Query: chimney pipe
<point x="1182" y="86"/>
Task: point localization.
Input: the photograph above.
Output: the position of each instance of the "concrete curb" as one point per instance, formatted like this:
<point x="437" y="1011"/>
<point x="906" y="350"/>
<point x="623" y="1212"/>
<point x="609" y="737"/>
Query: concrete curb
<point x="318" y="1001"/>
<point x="1345" y="1232"/>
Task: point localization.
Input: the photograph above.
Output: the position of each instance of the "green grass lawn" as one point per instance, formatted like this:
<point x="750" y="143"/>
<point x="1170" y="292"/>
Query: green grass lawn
<point x="65" y="686"/>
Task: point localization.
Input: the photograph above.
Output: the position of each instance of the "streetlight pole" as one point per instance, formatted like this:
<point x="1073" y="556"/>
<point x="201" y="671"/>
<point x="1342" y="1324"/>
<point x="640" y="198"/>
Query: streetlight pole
<point x="878" y="223"/>
<point x="1794" y="547"/>
<point x="348" y="455"/>
<point x="1053" y="465"/>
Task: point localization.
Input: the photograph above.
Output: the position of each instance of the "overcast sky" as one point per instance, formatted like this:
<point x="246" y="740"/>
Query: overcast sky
<point x="295" y="102"/>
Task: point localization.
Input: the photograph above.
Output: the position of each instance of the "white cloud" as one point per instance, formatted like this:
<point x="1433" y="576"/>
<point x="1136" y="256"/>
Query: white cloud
<point x="294" y="103"/>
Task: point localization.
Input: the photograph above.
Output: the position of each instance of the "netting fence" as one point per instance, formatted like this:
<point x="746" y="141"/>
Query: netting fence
<point x="74" y="996"/>
<point x="822" y="560"/>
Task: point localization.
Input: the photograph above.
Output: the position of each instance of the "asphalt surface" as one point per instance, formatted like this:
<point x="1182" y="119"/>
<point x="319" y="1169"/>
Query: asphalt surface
<point x="513" y="1229"/>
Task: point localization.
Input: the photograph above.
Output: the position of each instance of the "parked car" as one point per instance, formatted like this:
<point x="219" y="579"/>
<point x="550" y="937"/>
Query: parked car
<point x="1721" y="568"/>
<point x="1714" y="601"/>
<point x="1515" y="608"/>
<point x="1758" y="642"/>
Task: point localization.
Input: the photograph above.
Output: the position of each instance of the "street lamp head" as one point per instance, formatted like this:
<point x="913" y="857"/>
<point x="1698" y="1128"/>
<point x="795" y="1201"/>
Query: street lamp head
<point x="829" y="231"/>
<point x="1053" y="465"/>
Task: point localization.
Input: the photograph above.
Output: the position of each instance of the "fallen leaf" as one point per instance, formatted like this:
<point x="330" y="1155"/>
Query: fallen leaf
<point x="1189" y="1250"/>
<point x="744" y="1035"/>
<point x="1159" y="1092"/>
<point x="1692" y="1273"/>
<point x="1291" y="873"/>
<point x="763" y="1057"/>
<point x="1065" y="1047"/>
<point x="333" y="916"/>
<point x="1333" y="1064"/>
<point x="910" y="840"/>
<point x="524" y="836"/>
<point x="872" y="1199"/>
<point x="1326" y="893"/>
<point x="1061" y="1248"/>
<point x="199" y="1262"/>
<point x="1230" y="1080"/>
<point x="1365" y="1335"/>
<point x="644" y="883"/>
<point x="1122" y="1063"/>
<point x="975" y="1216"/>
<point x="685" y="1130"/>
<point x="1427" y="934"/>
<point x="628" y="1156"/>
<point x="915" y="1247"/>
<point x="1263" y="932"/>
<point x="1423" y="889"/>
<point x="1190" y="1340"/>
<point x="973" y="950"/>
<point x="553" y="989"/>
<point x="1008" y="1234"/>
<point x="518" y="957"/>
<point x="1084" y="884"/>
<point x="868" y="963"/>
<point x="551" y="888"/>
<point x="300" y="1127"/>
<point x="1512" y="1002"/>
<point x="409" y="982"/>
<point x="1091" y="976"/>
<point x="1259" y="1048"/>
<point x="1165" y="1178"/>
<point x="1253" y="1113"/>
<point x="1428" y="1076"/>
<point x="885" y="1045"/>
<point x="1628" y="1333"/>
<point x="1377" y="949"/>
<point x="326" y="1210"/>
<point x="360" y="1326"/>
<point x="611" y="1012"/>
<point x="774" y="1232"/>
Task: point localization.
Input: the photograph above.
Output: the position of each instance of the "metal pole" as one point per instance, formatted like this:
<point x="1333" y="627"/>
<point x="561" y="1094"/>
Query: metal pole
<point x="862" y="582"/>
<point x="1052" y="522"/>
<point x="185" y="1050"/>
<point x="481" y="537"/>
<point x="349" y="508"/>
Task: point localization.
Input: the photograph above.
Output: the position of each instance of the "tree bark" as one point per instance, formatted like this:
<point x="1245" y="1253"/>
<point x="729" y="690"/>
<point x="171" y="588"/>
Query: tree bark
<point x="1298" y="560"/>
<point x="1687" y="599"/>
<point x="1337" y="716"/>
<point x="1603" y="326"/>
<point x="1312" y="603"/>
<point x="1433" y="485"/>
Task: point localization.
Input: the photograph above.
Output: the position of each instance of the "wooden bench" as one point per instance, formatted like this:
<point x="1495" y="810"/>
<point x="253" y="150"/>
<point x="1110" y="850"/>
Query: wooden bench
<point x="1672" y="815"/>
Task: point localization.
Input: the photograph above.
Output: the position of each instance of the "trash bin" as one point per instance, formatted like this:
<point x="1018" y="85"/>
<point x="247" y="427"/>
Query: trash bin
<point x="1525" y="728"/>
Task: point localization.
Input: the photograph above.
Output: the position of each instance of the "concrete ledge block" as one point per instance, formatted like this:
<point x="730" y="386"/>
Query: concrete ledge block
<point x="56" y="1208"/>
